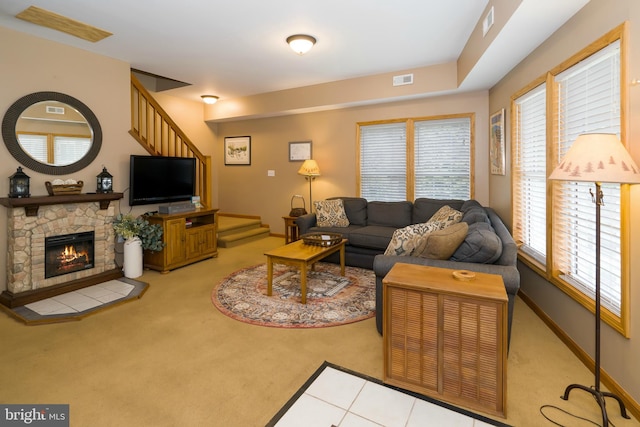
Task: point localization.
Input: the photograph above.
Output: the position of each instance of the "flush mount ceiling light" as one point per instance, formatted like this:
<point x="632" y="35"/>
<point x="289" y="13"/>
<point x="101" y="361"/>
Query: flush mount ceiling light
<point x="301" y="43"/>
<point x="209" y="99"/>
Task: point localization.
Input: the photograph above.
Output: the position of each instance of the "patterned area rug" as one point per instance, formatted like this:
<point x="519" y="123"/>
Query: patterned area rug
<point x="331" y="299"/>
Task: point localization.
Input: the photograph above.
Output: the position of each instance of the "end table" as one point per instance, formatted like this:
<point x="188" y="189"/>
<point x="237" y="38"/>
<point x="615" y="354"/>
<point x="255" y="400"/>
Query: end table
<point x="290" y="229"/>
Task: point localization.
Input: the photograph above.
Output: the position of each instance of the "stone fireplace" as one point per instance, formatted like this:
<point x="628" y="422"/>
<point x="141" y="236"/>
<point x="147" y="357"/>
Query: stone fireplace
<point x="38" y="235"/>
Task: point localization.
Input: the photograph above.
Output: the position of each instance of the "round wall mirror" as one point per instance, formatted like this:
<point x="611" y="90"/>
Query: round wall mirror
<point x="51" y="133"/>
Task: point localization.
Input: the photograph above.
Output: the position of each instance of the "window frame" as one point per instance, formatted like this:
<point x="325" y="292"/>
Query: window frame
<point x="549" y="270"/>
<point x="410" y="149"/>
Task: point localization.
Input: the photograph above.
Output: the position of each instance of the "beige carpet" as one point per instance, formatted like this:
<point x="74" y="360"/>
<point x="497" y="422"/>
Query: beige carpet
<point x="172" y="359"/>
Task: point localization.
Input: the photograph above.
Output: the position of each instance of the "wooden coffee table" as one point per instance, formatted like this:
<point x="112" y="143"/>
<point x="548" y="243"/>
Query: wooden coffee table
<point x="303" y="256"/>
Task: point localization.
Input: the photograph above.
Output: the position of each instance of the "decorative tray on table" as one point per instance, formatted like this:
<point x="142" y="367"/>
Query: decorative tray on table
<point x="321" y="239"/>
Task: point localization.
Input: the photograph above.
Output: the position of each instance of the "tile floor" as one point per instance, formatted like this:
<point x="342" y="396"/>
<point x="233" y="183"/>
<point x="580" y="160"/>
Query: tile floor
<point x="337" y="398"/>
<point x="82" y="299"/>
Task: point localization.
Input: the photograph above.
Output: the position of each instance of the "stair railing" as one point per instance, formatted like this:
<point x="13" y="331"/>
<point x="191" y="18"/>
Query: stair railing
<point x="152" y="127"/>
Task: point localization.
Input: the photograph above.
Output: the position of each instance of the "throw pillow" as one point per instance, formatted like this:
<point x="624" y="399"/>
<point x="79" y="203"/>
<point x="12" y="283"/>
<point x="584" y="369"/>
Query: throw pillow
<point x="482" y="245"/>
<point x="441" y="244"/>
<point x="446" y="216"/>
<point x="406" y="240"/>
<point x="330" y="213"/>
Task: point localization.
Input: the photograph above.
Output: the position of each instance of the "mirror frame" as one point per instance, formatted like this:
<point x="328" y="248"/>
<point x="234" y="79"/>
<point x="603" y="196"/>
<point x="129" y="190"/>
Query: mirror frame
<point x="11" y="140"/>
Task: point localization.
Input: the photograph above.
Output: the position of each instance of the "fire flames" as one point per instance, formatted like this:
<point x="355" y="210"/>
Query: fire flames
<point x="70" y="257"/>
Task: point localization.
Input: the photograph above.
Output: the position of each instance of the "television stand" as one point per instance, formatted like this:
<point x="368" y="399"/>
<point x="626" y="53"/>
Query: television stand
<point x="188" y="236"/>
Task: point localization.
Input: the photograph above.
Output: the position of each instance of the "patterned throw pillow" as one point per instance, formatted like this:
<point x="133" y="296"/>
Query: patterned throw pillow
<point x="407" y="240"/>
<point x="330" y="213"/>
<point x="445" y="216"/>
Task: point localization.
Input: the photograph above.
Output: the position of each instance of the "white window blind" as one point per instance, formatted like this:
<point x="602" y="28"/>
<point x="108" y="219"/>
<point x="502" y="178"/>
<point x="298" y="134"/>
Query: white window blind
<point x="589" y="101"/>
<point x="383" y="159"/>
<point x="35" y="145"/>
<point x="443" y="158"/>
<point x="530" y="173"/>
<point x="68" y="149"/>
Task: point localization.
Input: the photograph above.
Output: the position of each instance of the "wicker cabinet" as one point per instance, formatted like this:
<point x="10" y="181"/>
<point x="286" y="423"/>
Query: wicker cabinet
<point x="189" y="237"/>
<point x="446" y="338"/>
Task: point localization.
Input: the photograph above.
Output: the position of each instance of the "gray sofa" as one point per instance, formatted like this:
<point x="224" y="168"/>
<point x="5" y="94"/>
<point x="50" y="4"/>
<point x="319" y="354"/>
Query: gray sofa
<point x="487" y="248"/>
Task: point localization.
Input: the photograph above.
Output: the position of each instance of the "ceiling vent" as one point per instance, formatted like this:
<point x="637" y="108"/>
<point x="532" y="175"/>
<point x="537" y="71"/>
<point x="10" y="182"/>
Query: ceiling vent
<point x="487" y="22"/>
<point x="405" y="79"/>
<point x="55" y="110"/>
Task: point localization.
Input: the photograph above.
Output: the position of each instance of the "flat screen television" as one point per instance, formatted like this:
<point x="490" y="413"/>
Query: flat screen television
<point x="159" y="179"/>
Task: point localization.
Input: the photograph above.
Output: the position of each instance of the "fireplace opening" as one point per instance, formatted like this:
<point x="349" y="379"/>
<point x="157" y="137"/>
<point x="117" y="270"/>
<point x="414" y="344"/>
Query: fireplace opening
<point x="68" y="253"/>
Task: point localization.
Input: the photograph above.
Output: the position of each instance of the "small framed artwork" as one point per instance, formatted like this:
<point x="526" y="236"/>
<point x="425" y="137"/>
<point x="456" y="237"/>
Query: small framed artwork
<point x="496" y="143"/>
<point x="299" y="151"/>
<point x="237" y="150"/>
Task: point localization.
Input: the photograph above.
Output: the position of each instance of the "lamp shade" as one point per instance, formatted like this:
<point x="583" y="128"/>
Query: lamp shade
<point x="597" y="157"/>
<point x="309" y="168"/>
<point x="301" y="43"/>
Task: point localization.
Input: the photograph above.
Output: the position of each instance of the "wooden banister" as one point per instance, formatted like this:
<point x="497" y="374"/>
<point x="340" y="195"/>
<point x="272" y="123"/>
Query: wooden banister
<point x="152" y="127"/>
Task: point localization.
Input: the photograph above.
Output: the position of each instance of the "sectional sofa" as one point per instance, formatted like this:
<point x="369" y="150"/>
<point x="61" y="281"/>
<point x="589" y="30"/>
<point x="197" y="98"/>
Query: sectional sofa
<point x="488" y="247"/>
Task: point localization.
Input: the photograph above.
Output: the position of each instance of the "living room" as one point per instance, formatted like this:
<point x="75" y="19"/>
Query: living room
<point x="104" y="84"/>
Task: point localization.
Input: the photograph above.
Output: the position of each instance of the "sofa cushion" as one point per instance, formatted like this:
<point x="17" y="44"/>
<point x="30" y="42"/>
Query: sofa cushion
<point x="330" y="213"/>
<point x="446" y="216"/>
<point x="476" y="214"/>
<point x="389" y="214"/>
<point x="441" y="244"/>
<point x="405" y="241"/>
<point x="356" y="210"/>
<point x="372" y="236"/>
<point x="481" y="245"/>
<point x="424" y="208"/>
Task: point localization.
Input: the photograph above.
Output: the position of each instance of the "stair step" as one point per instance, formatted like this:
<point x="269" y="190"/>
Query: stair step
<point x="235" y="239"/>
<point x="229" y="224"/>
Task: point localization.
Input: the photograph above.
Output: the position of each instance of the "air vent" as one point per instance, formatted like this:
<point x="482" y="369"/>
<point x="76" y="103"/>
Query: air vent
<point x="55" y="110"/>
<point x="488" y="22"/>
<point x="405" y="79"/>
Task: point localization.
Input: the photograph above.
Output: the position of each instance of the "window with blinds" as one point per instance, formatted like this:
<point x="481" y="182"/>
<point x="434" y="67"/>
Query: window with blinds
<point x="529" y="168"/>
<point x="443" y="158"/>
<point x="588" y="98"/>
<point x="585" y="97"/>
<point x="425" y="157"/>
<point x="35" y="145"/>
<point x="383" y="162"/>
<point x="68" y="149"/>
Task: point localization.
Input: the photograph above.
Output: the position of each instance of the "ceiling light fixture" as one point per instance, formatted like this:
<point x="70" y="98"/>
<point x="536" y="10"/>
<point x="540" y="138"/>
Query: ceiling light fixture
<point x="209" y="99"/>
<point x="301" y="43"/>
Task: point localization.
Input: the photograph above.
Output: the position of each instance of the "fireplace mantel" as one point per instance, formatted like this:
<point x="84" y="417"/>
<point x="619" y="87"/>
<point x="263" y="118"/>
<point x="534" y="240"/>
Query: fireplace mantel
<point x="31" y="204"/>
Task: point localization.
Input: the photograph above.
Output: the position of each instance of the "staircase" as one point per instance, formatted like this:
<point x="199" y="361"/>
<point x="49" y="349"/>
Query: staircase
<point x="234" y="230"/>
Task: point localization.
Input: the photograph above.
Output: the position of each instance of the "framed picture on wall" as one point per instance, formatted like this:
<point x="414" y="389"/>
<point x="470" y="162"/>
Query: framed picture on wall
<point x="496" y="143"/>
<point x="237" y="150"/>
<point x="299" y="151"/>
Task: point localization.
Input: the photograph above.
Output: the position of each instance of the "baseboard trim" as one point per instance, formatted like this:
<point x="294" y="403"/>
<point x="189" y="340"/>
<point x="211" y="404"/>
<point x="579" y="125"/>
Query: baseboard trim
<point x="631" y="405"/>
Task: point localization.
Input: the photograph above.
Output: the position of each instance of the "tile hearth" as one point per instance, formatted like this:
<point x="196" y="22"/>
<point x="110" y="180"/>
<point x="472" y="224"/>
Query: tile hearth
<point x="80" y="303"/>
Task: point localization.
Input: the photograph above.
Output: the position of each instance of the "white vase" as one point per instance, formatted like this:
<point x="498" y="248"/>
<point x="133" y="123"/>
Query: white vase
<point x="133" y="258"/>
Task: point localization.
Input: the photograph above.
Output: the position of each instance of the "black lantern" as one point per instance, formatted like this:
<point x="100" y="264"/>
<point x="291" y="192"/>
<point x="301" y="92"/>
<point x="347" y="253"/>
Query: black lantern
<point x="104" y="183"/>
<point x="19" y="184"/>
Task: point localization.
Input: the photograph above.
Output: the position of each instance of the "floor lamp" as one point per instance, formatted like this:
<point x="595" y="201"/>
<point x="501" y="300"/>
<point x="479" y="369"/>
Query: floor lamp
<point x="310" y="170"/>
<point x="597" y="158"/>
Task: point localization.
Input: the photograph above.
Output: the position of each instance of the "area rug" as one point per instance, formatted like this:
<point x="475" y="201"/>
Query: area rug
<point x="331" y="299"/>
<point x="336" y="396"/>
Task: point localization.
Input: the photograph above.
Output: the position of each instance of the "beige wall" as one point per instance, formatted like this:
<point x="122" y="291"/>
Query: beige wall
<point x="619" y="355"/>
<point x="248" y="189"/>
<point x="30" y="64"/>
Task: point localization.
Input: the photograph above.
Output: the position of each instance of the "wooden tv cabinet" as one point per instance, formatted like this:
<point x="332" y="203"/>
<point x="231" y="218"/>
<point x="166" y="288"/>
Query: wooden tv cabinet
<point x="188" y="236"/>
<point x="446" y="338"/>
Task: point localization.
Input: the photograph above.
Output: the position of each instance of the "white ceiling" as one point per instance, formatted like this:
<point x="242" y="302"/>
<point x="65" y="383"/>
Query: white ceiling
<point x="237" y="47"/>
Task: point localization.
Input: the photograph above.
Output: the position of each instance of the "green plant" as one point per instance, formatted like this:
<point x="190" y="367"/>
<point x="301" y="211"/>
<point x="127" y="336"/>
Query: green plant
<point x="127" y="226"/>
